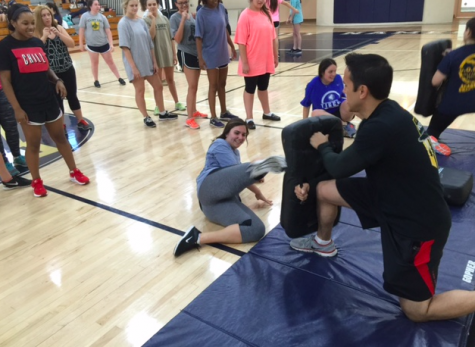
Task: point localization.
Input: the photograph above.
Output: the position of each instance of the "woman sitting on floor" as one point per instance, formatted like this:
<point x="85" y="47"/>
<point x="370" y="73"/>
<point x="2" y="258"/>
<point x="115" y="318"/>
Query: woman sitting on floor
<point x="325" y="94"/>
<point x="219" y="185"/>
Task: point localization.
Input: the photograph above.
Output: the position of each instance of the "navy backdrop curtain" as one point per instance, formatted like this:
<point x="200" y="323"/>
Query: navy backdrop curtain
<point x="377" y="11"/>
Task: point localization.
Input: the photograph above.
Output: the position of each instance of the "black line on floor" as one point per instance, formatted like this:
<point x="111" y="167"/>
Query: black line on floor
<point x="139" y="219"/>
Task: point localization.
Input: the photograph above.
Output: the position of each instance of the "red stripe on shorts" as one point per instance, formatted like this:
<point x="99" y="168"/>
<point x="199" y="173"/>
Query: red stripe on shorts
<point x="421" y="261"/>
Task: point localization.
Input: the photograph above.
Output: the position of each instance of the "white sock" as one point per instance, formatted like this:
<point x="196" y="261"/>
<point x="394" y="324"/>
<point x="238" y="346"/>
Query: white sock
<point x="163" y="113"/>
<point x="249" y="120"/>
<point x="268" y="114"/>
<point x="199" y="239"/>
<point x="322" y="242"/>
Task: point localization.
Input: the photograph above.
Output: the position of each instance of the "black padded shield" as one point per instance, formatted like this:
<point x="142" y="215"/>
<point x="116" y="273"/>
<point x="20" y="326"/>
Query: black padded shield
<point x="428" y="96"/>
<point x="457" y="185"/>
<point x="305" y="164"/>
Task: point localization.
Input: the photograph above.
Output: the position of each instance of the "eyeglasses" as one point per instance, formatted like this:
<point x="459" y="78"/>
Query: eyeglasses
<point x="182" y="3"/>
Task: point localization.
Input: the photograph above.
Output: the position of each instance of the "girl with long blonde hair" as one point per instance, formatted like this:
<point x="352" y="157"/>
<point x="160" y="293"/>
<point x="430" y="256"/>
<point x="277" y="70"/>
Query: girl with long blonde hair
<point x="57" y="41"/>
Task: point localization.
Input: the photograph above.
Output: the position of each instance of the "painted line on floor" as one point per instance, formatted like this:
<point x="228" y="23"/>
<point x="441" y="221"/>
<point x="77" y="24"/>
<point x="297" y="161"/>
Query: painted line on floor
<point x="139" y="219"/>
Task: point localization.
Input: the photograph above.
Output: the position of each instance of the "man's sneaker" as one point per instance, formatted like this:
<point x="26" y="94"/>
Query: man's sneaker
<point x="16" y="182"/>
<point x="440" y="148"/>
<point x="250" y="124"/>
<point x="214" y="122"/>
<point x="349" y="130"/>
<point x="149" y="122"/>
<point x="227" y="116"/>
<point x="191" y="123"/>
<point x="272" y="164"/>
<point x="180" y="106"/>
<point x="188" y="242"/>
<point x="11" y="169"/>
<point x="38" y="189"/>
<point x="271" y="116"/>
<point x="20" y="161"/>
<point x="97" y="84"/>
<point x="198" y="114"/>
<point x="122" y="82"/>
<point x="167" y="116"/>
<point x="78" y="177"/>
<point x="83" y="125"/>
<point x="309" y="245"/>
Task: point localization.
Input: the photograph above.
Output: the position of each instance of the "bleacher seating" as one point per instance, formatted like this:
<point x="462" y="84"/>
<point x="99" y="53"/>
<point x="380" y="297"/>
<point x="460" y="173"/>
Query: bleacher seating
<point x="3" y="30"/>
<point x="111" y="17"/>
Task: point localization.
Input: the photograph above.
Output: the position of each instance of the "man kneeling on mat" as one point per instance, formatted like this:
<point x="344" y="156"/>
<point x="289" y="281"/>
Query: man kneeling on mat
<point x="401" y="193"/>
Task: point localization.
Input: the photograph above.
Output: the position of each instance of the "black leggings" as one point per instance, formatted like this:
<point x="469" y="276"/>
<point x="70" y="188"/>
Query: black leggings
<point x="261" y="82"/>
<point x="9" y="124"/>
<point x="439" y="122"/>
<point x="69" y="79"/>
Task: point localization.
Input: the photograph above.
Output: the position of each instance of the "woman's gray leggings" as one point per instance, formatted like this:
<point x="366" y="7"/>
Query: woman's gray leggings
<point x="220" y="202"/>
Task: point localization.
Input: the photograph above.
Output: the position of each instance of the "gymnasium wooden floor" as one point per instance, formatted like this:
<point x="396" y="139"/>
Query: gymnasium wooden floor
<point x="74" y="272"/>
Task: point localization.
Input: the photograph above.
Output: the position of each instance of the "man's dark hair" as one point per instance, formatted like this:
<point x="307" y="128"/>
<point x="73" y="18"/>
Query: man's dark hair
<point x="471" y="26"/>
<point x="371" y="70"/>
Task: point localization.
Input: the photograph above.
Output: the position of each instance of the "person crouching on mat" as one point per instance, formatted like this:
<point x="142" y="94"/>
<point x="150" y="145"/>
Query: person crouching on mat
<point x="219" y="185"/>
<point x="326" y="96"/>
<point x="402" y="193"/>
<point x="458" y="98"/>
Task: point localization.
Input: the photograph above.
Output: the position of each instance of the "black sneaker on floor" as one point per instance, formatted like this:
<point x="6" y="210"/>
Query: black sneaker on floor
<point x="188" y="242"/>
<point x="251" y="125"/>
<point x="167" y="116"/>
<point x="149" y="122"/>
<point x="16" y="182"/>
<point x="274" y="164"/>
<point x="227" y="116"/>
<point x="97" y="84"/>
<point x="271" y="116"/>
<point x="121" y="81"/>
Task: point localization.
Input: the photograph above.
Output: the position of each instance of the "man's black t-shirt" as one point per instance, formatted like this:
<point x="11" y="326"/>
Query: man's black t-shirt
<point x="402" y="169"/>
<point x="28" y="65"/>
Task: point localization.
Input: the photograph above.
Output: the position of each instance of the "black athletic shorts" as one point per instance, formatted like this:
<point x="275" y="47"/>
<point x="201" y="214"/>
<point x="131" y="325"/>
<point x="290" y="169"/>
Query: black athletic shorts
<point x="337" y="113"/>
<point x="188" y="60"/>
<point x="276" y="24"/>
<point x="49" y="115"/>
<point x="99" y="49"/>
<point x="410" y="265"/>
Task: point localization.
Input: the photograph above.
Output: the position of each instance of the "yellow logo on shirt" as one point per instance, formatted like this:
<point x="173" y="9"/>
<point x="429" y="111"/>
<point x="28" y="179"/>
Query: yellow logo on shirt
<point x="95" y="25"/>
<point x="467" y="74"/>
<point x="424" y="139"/>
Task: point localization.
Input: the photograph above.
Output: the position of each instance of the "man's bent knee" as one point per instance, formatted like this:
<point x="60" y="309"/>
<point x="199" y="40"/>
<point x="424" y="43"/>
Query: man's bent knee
<point x="416" y="311"/>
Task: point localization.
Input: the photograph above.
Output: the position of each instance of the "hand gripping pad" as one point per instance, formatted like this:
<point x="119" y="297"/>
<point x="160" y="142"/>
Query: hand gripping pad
<point x="305" y="165"/>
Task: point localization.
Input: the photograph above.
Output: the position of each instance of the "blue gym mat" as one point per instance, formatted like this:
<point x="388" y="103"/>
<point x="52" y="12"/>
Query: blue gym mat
<point x="275" y="296"/>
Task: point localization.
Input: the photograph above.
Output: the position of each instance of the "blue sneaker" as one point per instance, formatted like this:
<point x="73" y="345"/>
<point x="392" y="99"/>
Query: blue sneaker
<point x="214" y="122"/>
<point x="227" y="116"/>
<point x="11" y="169"/>
<point x="20" y="161"/>
<point x="349" y="130"/>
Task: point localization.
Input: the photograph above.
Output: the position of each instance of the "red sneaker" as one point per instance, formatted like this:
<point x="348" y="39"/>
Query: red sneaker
<point x="191" y="123"/>
<point x="38" y="189"/>
<point x="198" y="114"/>
<point x="77" y="176"/>
<point x="440" y="148"/>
